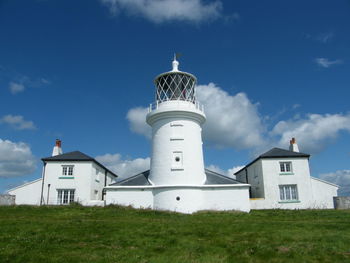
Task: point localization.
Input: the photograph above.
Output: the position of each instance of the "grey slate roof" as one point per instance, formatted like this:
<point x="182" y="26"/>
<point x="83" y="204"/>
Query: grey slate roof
<point x="141" y="179"/>
<point x="276" y="153"/>
<point x="215" y="178"/>
<point x="75" y="156"/>
<point x="136" y="180"/>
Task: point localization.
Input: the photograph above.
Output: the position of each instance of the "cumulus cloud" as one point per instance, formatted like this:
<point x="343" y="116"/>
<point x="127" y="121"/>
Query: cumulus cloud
<point x="159" y="11"/>
<point x="15" y="87"/>
<point x="313" y="132"/>
<point x="341" y="178"/>
<point x="124" y="167"/>
<point x="17" y="122"/>
<point x="137" y="121"/>
<point x="326" y="63"/>
<point x="232" y="120"/>
<point x="16" y="159"/>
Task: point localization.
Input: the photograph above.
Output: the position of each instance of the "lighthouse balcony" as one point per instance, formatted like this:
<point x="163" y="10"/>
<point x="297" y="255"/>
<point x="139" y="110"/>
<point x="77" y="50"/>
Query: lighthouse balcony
<point x="176" y="105"/>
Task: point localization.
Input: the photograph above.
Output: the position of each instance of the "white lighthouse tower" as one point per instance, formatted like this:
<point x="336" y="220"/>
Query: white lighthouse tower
<point x="176" y="119"/>
<point x="177" y="180"/>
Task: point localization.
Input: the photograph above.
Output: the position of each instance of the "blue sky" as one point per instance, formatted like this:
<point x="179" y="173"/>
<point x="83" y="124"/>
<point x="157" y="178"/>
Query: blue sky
<point x="83" y="71"/>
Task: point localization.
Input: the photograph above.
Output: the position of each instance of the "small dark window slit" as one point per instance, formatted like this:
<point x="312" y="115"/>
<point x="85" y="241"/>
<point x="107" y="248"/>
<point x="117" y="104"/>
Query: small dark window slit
<point x="178" y="198"/>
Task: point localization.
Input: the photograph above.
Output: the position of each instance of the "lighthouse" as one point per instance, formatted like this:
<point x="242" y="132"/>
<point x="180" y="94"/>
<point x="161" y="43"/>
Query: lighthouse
<point x="177" y="179"/>
<point x="176" y="118"/>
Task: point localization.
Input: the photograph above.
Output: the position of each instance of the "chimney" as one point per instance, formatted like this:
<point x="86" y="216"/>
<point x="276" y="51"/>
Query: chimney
<point x="57" y="150"/>
<point x="293" y="145"/>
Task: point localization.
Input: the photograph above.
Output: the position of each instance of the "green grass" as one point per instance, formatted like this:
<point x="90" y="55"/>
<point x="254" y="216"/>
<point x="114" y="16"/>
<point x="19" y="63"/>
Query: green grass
<point x="117" y="234"/>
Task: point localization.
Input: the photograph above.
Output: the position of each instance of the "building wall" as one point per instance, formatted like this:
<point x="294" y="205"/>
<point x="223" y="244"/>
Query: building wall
<point x="81" y="181"/>
<point x="131" y="196"/>
<point x="323" y="194"/>
<point x="299" y="176"/>
<point x="254" y="176"/>
<point x="184" y="199"/>
<point x="27" y="194"/>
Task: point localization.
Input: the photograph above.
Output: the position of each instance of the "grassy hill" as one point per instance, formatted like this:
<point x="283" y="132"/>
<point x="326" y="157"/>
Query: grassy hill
<point x="116" y="234"/>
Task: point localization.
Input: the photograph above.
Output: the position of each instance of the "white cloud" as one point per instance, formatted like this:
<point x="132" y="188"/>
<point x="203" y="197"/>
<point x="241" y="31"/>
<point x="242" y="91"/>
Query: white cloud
<point x="16" y="159"/>
<point x="341" y="178"/>
<point x="124" y="168"/>
<point x="232" y="121"/>
<point x="17" y="122"/>
<point x="137" y="121"/>
<point x="15" y="87"/>
<point x="313" y="132"/>
<point x="159" y="11"/>
<point x="326" y="63"/>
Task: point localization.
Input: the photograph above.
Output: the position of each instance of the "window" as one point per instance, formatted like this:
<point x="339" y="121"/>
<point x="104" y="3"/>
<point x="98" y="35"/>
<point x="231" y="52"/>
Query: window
<point x="288" y="193"/>
<point x="286" y="167"/>
<point x="65" y="196"/>
<point x="67" y="170"/>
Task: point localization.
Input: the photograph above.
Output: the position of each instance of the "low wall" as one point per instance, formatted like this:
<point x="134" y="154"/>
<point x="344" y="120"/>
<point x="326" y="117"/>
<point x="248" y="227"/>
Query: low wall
<point x="7" y="199"/>
<point x="341" y="202"/>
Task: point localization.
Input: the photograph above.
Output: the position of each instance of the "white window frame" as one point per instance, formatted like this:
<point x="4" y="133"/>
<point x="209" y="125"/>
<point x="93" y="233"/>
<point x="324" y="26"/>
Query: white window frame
<point x="67" y="170"/>
<point x="65" y="196"/>
<point x="286" y="167"/>
<point x="288" y="192"/>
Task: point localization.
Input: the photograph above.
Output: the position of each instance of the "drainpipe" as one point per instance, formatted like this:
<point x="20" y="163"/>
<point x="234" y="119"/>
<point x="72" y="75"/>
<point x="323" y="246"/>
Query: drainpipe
<point x="48" y="192"/>
<point x="105" y="184"/>
<point x="42" y="184"/>
<point x="246" y="178"/>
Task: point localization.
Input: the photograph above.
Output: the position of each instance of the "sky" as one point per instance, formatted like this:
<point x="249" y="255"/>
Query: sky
<point x="82" y="71"/>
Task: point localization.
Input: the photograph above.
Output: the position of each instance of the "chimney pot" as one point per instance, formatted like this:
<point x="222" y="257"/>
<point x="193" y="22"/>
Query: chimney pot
<point x="58" y="143"/>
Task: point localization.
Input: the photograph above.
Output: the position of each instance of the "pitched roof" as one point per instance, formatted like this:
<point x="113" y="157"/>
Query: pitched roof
<point x="75" y="156"/>
<point x="141" y="179"/>
<point x="276" y="153"/>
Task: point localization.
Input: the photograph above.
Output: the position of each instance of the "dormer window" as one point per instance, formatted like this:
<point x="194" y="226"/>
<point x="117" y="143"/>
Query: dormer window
<point x="285" y="167"/>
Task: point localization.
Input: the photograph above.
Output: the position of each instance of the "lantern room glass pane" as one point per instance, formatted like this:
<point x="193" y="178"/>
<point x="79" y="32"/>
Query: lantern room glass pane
<point x="175" y="86"/>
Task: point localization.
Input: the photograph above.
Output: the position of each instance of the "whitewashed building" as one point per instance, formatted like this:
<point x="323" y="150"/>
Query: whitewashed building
<point x="66" y="178"/>
<point x="281" y="179"/>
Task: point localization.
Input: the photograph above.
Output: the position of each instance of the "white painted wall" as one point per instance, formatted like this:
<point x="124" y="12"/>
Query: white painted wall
<point x="81" y="181"/>
<point x="176" y="131"/>
<point x="300" y="176"/>
<point x="323" y="193"/>
<point x="191" y="198"/>
<point x="28" y="193"/>
<point x="136" y="197"/>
